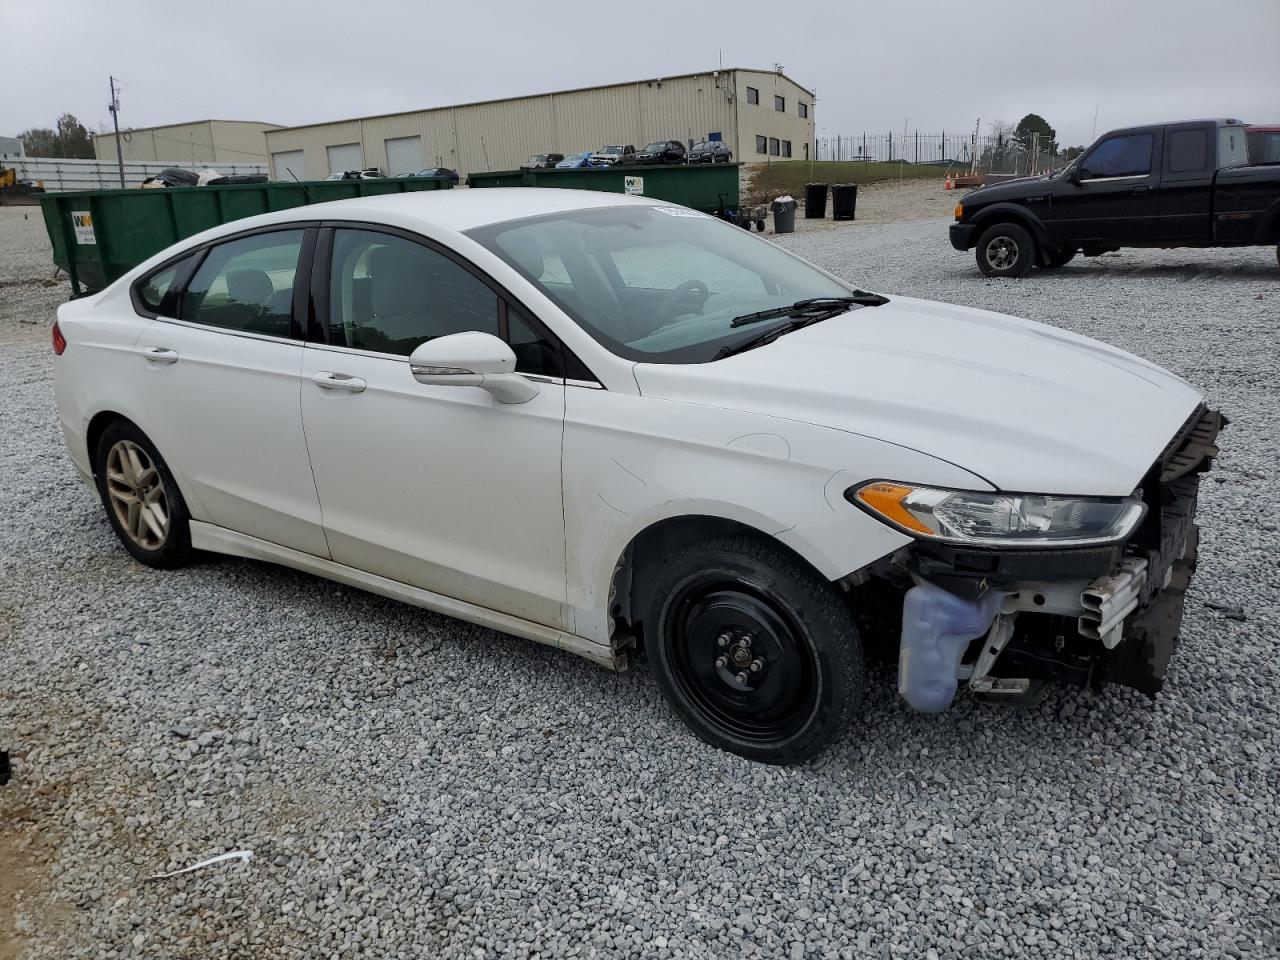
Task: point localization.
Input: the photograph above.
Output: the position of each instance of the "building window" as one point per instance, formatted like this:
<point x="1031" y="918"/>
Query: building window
<point x="780" y="104"/>
<point x="753" y="95"/>
<point x="774" y="149"/>
<point x="804" y="109"/>
<point x="786" y="148"/>
<point x="761" y="144"/>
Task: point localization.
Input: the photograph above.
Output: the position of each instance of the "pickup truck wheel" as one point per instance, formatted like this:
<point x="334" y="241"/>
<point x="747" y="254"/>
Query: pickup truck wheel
<point x="1058" y="258"/>
<point x="755" y="651"/>
<point x="1005" y="250"/>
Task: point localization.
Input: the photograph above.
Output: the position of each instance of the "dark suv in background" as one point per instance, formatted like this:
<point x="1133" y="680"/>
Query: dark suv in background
<point x="710" y="151"/>
<point x="660" y="151"/>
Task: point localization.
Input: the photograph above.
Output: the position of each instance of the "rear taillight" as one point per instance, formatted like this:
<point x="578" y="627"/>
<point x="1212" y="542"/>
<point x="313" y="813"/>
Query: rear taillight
<point x="59" y="341"/>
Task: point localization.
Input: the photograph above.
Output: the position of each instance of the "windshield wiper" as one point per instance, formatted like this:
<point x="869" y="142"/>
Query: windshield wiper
<point x="811" y="305"/>
<point x="773" y="333"/>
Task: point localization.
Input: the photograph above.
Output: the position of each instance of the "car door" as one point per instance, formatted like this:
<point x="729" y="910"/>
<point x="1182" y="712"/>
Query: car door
<point x="218" y="372"/>
<point x="1113" y="200"/>
<point x="440" y="487"/>
<point x="1186" y="187"/>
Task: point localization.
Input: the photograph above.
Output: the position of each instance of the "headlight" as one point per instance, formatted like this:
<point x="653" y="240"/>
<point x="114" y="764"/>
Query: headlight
<point x="999" y="519"/>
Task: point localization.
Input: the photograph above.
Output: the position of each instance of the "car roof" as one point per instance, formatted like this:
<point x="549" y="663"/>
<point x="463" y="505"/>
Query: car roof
<point x="460" y="209"/>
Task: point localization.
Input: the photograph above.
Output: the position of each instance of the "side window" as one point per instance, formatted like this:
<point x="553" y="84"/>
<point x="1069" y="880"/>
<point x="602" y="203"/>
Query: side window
<point x="389" y="294"/>
<point x="753" y="95"/>
<point x="1128" y="155"/>
<point x="535" y="352"/>
<point x="155" y="292"/>
<point x="1188" y="150"/>
<point x="246" y="284"/>
<point x="761" y="144"/>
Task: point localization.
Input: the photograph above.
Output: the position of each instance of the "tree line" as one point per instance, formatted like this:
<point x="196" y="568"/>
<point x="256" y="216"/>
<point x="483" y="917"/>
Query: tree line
<point x="69" y="139"/>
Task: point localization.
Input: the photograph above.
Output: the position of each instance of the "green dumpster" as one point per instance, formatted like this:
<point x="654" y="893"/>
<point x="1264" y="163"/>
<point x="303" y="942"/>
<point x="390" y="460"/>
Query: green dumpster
<point x="709" y="187"/>
<point x="99" y="235"/>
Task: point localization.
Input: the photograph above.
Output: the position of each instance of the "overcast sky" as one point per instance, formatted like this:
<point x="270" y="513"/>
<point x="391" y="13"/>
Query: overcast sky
<point x="875" y="67"/>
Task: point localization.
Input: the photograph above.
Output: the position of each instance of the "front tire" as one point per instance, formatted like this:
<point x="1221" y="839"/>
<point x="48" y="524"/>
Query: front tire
<point x="142" y="501"/>
<point x="1005" y="250"/>
<point x="756" y="652"/>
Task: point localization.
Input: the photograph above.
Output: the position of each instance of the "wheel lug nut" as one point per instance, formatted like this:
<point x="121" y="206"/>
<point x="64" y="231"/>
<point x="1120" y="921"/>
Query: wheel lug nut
<point x="724" y="639"/>
<point x="742" y="678"/>
<point x="722" y="662"/>
<point x="746" y="639"/>
<point x="757" y="666"/>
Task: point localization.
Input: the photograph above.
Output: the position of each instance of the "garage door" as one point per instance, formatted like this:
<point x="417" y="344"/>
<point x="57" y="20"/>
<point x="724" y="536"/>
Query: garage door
<point x="345" y="156"/>
<point x="404" y="156"/>
<point x="288" y="166"/>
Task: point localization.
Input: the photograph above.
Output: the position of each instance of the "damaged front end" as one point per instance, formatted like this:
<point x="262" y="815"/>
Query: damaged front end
<point x="1007" y="619"/>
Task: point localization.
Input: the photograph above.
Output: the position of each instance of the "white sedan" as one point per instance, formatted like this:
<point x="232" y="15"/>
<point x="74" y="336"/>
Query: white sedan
<point x="627" y="429"/>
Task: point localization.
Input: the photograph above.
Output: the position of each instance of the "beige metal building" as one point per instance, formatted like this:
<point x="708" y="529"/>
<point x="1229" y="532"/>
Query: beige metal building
<point x="201" y="141"/>
<point x="760" y="114"/>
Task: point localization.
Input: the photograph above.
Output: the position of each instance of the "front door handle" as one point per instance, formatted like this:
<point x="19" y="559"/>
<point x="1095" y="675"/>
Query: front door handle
<point x="160" y="354"/>
<point x="338" y="381"/>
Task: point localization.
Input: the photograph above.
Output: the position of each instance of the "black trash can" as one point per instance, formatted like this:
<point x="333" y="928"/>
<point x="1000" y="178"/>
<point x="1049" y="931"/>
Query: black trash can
<point x="784" y="215"/>
<point x="844" y="201"/>
<point x="815" y="201"/>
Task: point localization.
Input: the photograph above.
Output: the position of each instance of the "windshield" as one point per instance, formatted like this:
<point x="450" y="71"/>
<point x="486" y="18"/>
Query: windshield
<point x="656" y="147"/>
<point x="661" y="284"/>
<point x="612" y="149"/>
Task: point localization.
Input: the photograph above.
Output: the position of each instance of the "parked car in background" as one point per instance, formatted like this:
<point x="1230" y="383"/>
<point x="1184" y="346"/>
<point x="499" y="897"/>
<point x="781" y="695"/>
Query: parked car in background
<point x="710" y="151"/>
<point x="660" y="151"/>
<point x="1183" y="184"/>
<point x="543" y="161"/>
<point x="368" y="173"/>
<point x="1264" y="143"/>
<point x="611" y="424"/>
<point x="611" y="154"/>
<point x="440" y="172"/>
<point x="576" y="161"/>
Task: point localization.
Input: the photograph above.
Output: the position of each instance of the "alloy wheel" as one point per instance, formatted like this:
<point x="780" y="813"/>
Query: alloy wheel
<point x="1002" y="253"/>
<point x="137" y="495"/>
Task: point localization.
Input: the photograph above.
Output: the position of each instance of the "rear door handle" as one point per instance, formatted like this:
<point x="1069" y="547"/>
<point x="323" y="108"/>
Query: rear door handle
<point x="160" y="354"/>
<point x="338" y="381"/>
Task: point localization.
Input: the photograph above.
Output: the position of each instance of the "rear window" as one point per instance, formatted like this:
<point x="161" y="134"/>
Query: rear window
<point x="1188" y="150"/>
<point x="1233" y="149"/>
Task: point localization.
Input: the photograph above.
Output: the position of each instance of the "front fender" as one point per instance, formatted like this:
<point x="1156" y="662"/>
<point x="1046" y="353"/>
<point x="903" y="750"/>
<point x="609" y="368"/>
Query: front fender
<point x="632" y="461"/>
<point x="1004" y="211"/>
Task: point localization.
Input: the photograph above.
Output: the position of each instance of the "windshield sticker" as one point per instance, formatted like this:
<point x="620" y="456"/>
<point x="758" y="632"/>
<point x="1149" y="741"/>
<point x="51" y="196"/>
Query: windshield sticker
<point x="679" y="212"/>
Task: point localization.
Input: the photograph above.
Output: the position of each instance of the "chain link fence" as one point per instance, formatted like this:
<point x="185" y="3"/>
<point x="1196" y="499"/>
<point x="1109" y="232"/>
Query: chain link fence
<point x="1003" y="155"/>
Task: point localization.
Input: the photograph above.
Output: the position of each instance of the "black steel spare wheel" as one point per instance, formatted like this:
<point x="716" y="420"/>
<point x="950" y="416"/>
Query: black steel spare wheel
<point x="756" y="652"/>
<point x="738" y="659"/>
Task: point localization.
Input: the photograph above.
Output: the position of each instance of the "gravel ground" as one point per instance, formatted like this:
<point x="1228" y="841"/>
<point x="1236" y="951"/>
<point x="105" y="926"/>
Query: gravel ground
<point x="410" y="785"/>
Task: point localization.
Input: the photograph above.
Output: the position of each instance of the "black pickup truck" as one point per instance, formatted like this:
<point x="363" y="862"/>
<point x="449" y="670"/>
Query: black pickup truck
<point x="1183" y="184"/>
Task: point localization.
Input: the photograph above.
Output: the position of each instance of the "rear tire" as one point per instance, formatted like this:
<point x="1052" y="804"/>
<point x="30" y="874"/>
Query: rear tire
<point x="143" y="503"/>
<point x="755" y="651"/>
<point x="1005" y="250"/>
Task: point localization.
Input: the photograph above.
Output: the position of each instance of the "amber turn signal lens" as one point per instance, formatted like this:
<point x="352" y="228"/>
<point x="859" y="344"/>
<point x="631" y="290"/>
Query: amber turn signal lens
<point x="886" y="500"/>
<point x="959" y="211"/>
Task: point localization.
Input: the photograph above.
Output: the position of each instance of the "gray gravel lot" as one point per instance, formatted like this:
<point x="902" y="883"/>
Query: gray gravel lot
<point x="411" y="785"/>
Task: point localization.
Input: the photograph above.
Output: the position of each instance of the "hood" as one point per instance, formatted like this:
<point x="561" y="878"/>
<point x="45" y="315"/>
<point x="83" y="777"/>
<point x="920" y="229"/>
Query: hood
<point x="1008" y="190"/>
<point x="1028" y="407"/>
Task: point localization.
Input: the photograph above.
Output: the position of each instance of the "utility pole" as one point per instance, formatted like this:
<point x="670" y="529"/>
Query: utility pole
<point x="115" y="122"/>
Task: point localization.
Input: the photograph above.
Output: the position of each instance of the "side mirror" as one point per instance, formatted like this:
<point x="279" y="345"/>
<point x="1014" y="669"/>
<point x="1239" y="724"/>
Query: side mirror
<point x="1073" y="174"/>
<point x="471" y="359"/>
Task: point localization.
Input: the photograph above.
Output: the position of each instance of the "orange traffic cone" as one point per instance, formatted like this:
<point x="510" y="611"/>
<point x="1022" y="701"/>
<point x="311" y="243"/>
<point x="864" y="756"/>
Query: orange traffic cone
<point x="947" y="184"/>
